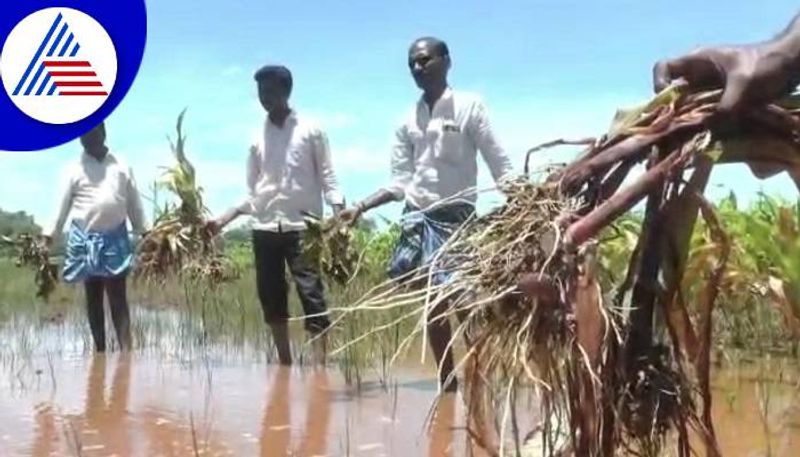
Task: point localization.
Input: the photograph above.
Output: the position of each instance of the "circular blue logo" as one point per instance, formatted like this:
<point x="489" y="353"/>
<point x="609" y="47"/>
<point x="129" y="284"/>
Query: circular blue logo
<point x="65" y="69"/>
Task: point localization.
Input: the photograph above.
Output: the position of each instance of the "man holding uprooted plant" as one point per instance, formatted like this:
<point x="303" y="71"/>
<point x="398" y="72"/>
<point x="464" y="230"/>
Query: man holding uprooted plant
<point x="433" y="168"/>
<point x="750" y="74"/>
<point x="287" y="176"/>
<point x="101" y="194"/>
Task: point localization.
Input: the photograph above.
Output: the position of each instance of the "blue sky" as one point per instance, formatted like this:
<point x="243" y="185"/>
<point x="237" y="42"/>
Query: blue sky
<point x="546" y="69"/>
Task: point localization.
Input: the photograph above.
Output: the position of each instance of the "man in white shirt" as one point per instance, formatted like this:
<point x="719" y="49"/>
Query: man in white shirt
<point x="100" y="192"/>
<point x="434" y="165"/>
<point x="288" y="175"/>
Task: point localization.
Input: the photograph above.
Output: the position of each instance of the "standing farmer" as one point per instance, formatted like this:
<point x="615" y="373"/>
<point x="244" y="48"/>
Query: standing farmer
<point x="100" y="192"/>
<point x="433" y="161"/>
<point x="287" y="176"/>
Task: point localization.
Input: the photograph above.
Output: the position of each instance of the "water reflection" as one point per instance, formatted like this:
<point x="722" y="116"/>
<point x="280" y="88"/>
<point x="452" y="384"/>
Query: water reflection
<point x="276" y="427"/>
<point x="441" y="428"/>
<point x="109" y="418"/>
<point x="101" y="427"/>
<point x="45" y="430"/>
<point x="315" y="439"/>
<point x="115" y="405"/>
<point x="168" y="404"/>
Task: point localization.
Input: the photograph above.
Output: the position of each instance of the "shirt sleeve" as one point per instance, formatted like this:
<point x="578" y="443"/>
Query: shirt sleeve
<point x="65" y="196"/>
<point x="487" y="143"/>
<point x="402" y="164"/>
<point x="253" y="173"/>
<point x="324" y="169"/>
<point x="134" y="203"/>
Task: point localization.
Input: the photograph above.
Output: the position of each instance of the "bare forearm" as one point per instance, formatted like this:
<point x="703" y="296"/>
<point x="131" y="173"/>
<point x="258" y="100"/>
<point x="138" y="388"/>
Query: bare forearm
<point x="375" y="200"/>
<point x="136" y="212"/>
<point x="63" y="211"/>
<point x="229" y="216"/>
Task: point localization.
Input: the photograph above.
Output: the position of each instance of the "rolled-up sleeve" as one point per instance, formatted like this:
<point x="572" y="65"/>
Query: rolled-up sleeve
<point x="487" y="143"/>
<point x="402" y="164"/>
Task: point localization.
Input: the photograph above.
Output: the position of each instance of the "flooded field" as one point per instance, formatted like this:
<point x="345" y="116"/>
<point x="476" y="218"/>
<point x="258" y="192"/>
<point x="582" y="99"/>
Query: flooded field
<point x="171" y="399"/>
<point x="119" y="405"/>
<point x="58" y="399"/>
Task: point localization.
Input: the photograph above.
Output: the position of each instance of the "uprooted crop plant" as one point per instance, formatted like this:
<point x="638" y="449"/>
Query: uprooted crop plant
<point x="620" y="369"/>
<point x="179" y="243"/>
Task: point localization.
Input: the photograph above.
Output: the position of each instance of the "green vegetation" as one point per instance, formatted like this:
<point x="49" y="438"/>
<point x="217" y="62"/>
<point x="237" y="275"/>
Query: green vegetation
<point x="758" y="306"/>
<point x="12" y="224"/>
<point x="758" y="296"/>
<point x="193" y="314"/>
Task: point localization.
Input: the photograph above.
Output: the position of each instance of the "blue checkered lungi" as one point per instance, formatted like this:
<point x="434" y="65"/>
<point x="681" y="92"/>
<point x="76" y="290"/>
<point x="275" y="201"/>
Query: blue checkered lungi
<point x="423" y="234"/>
<point x="97" y="254"/>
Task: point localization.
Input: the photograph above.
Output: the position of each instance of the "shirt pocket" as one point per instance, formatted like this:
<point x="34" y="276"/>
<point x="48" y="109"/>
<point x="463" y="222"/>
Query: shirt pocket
<point x="449" y="146"/>
<point x="300" y="166"/>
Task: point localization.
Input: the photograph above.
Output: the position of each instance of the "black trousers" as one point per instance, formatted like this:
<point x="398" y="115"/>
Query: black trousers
<point x="273" y="251"/>
<point x="115" y="290"/>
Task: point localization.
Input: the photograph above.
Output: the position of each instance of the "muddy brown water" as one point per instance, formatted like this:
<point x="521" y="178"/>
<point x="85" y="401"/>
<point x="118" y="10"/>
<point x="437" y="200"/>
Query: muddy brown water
<point x="60" y="400"/>
<point x="117" y="405"/>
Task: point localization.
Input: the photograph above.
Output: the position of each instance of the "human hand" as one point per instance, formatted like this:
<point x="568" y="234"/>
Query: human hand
<point x="749" y="75"/>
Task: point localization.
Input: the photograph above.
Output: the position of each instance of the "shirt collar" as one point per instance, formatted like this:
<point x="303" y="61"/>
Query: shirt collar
<point x="86" y="157"/>
<point x="447" y="95"/>
<point x="290" y="120"/>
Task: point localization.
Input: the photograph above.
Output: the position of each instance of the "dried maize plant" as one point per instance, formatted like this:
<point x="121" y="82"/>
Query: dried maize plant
<point x="329" y="243"/>
<point x="523" y="281"/>
<point x="179" y="243"/>
<point x="34" y="254"/>
<point x="657" y="376"/>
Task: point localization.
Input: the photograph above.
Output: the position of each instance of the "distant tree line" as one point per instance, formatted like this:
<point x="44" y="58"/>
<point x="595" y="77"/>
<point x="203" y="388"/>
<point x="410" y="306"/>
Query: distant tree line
<point x="13" y="224"/>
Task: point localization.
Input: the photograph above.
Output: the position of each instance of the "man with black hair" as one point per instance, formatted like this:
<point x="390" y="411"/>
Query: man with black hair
<point x="288" y="175"/>
<point x="100" y="193"/>
<point x="434" y="167"/>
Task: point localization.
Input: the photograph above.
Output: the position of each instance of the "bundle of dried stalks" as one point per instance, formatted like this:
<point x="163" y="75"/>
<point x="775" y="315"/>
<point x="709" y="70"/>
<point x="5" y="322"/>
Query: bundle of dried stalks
<point x="179" y="242"/>
<point x="32" y="252"/>
<point x="523" y="280"/>
<point x="329" y="244"/>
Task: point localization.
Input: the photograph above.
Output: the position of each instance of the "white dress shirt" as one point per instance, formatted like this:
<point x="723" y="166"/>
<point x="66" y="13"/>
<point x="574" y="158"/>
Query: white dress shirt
<point x="100" y="195"/>
<point x="434" y="156"/>
<point x="288" y="174"/>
